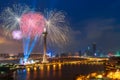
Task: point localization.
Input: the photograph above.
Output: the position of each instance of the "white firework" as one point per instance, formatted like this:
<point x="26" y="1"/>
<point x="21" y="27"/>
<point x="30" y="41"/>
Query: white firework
<point x="11" y="16"/>
<point x="57" y="28"/>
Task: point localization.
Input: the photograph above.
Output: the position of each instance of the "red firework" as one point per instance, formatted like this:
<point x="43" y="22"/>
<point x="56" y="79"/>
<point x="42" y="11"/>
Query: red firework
<point x="32" y="24"/>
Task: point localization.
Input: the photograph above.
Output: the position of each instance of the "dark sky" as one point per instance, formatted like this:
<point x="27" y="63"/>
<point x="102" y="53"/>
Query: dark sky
<point x="91" y="20"/>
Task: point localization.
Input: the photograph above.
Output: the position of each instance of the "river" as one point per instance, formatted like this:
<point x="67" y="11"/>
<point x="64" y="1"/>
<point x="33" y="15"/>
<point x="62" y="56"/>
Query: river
<point x="57" y="72"/>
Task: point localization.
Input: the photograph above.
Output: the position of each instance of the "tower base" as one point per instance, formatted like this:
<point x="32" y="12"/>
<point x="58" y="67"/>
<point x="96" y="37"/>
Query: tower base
<point x="45" y="60"/>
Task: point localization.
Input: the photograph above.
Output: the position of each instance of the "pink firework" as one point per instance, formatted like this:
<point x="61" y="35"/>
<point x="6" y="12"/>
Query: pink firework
<point x="32" y="24"/>
<point x="17" y="34"/>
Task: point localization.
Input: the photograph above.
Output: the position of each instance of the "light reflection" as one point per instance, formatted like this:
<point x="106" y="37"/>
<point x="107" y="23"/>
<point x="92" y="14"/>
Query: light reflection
<point x="41" y="67"/>
<point x="28" y="73"/>
<point x="35" y="72"/>
<point x="42" y="71"/>
<point x="54" y="70"/>
<point x="48" y="70"/>
<point x="54" y="67"/>
<point x="35" y="68"/>
<point x="28" y="69"/>
<point x="59" y="67"/>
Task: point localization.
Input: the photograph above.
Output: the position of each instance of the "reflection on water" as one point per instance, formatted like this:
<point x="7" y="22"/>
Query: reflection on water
<point x="35" y="73"/>
<point x="48" y="70"/>
<point x="56" y="71"/>
<point x="28" y="73"/>
<point x="41" y="71"/>
<point x="59" y="70"/>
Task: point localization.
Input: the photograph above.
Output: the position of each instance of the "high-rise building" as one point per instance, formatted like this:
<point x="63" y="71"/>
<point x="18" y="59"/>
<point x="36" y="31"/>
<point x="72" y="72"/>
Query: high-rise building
<point x="94" y="48"/>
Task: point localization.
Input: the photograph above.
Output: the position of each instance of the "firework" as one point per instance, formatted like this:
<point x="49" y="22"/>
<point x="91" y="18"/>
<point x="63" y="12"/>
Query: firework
<point x="11" y="16"/>
<point x="17" y="34"/>
<point x="57" y="28"/>
<point x="32" y="24"/>
<point x="23" y="19"/>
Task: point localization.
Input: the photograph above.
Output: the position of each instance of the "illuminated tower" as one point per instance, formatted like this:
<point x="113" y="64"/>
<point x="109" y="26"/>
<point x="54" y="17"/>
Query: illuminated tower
<point x="45" y="46"/>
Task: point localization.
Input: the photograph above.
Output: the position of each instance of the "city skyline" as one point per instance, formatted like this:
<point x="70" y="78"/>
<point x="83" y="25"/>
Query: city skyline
<point x="91" y="21"/>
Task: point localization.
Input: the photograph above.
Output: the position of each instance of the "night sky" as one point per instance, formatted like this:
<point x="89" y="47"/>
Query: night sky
<point x="91" y="21"/>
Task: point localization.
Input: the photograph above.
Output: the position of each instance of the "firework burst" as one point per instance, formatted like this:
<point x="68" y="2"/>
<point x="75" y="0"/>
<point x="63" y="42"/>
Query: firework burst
<point x="57" y="28"/>
<point x="11" y="16"/>
<point x="32" y="24"/>
<point x="22" y="18"/>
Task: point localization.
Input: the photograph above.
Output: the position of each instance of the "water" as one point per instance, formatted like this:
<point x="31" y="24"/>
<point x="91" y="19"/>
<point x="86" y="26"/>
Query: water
<point x="56" y="72"/>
